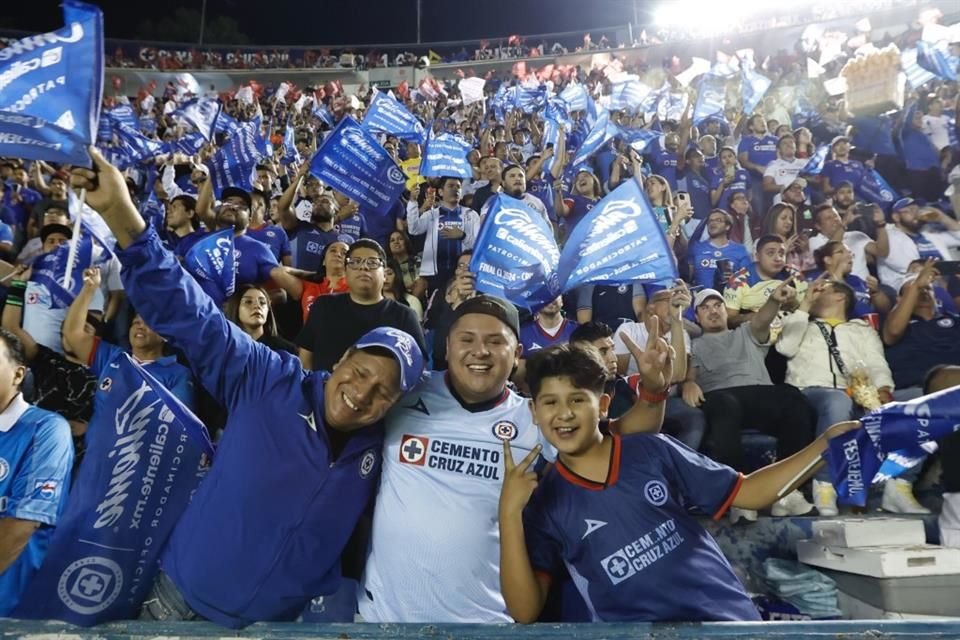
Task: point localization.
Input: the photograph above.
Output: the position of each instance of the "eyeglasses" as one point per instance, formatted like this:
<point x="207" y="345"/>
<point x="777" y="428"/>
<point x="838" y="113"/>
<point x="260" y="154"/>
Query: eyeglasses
<point x="367" y="264"/>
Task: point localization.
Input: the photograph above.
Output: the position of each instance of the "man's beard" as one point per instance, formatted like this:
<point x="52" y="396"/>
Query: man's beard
<point x="322" y="217"/>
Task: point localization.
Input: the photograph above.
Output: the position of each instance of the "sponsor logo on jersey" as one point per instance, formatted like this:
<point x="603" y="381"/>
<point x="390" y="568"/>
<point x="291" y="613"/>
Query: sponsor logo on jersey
<point x="105" y="384"/>
<point x="642" y="552"/>
<point x="46" y="489"/>
<point x="90" y="584"/>
<point x="464" y="459"/>
<point x="367" y="463"/>
<point x="413" y="450"/>
<point x="945" y="323"/>
<point x="505" y="430"/>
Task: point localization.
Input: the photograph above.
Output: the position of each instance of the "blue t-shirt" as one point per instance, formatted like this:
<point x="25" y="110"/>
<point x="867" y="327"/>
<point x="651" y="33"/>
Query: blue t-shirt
<point x="36" y="456"/>
<point x="761" y="150"/>
<point x="543" y="190"/>
<point x="704" y="256"/>
<point x="664" y="163"/>
<point x="699" y="189"/>
<point x="740" y="184"/>
<point x="380" y="226"/>
<point x="255" y="260"/>
<point x="354" y="228"/>
<point x="918" y="152"/>
<point x="274" y="237"/>
<point x="633" y="550"/>
<point x="851" y="171"/>
<point x="168" y="372"/>
<point x="578" y="207"/>
<point x="533" y="337"/>
<point x="307" y="243"/>
<point x="863" y="306"/>
<point x="611" y="304"/>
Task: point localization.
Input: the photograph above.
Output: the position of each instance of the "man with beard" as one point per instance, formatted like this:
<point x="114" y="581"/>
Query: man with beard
<point x="703" y="256"/>
<point x="909" y="240"/>
<point x="308" y="239"/>
<point x="831" y="227"/>
<point x="514" y="184"/>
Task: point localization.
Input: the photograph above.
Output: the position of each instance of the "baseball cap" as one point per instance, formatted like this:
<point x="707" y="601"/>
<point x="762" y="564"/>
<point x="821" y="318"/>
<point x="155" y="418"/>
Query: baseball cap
<point x="839" y="139"/>
<point x="705" y="294"/>
<point x="403" y="347"/>
<point x="237" y="192"/>
<point x="55" y="228"/>
<point x="903" y="203"/>
<point x="799" y="181"/>
<point x="491" y="306"/>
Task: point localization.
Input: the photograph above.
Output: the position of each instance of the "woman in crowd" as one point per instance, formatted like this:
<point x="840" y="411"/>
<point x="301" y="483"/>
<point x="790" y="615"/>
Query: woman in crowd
<point x="661" y="198"/>
<point x="805" y="146"/>
<point x="400" y="252"/>
<point x="249" y="309"/>
<point x="574" y="206"/>
<point x="393" y="289"/>
<point x="332" y="276"/>
<point x="781" y="220"/>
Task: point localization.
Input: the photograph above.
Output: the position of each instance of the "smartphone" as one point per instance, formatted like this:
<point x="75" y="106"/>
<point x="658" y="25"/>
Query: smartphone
<point x="730" y="171"/>
<point x="948" y="267"/>
<point x="683" y="197"/>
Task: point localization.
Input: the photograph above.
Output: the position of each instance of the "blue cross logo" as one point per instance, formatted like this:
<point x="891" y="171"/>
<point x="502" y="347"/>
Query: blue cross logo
<point x="413" y="449"/>
<point x="617" y="567"/>
<point x="91" y="584"/>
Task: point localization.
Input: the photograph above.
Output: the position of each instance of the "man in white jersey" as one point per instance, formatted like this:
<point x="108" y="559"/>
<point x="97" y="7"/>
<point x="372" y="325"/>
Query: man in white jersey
<point x="435" y="548"/>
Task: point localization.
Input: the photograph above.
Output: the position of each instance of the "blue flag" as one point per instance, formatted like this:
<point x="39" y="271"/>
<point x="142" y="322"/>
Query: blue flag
<point x="235" y="162"/>
<point x="212" y="263"/>
<point x="552" y="130"/>
<point x="148" y="125"/>
<point x="446" y="155"/>
<point x="619" y="241"/>
<point x="226" y="124"/>
<point x="122" y="115"/>
<point x="389" y="115"/>
<point x="753" y="86"/>
<point x="323" y="113"/>
<point x="640" y="139"/>
<point x="556" y="110"/>
<point x="515" y="255"/>
<point x="711" y="98"/>
<point x="189" y="144"/>
<point x="352" y="161"/>
<point x="602" y="132"/>
<point x="51" y="86"/>
<point x="936" y="58"/>
<point x="874" y="134"/>
<point x="575" y="96"/>
<point x="893" y="439"/>
<point x="146" y="454"/>
<point x="628" y="96"/>
<point x="815" y="165"/>
<point x="917" y="76"/>
<point x="202" y="115"/>
<point x="290" y="153"/>
<point x="50" y="269"/>
<point x="873" y="188"/>
<point x="530" y="99"/>
<point x="651" y="104"/>
<point x="131" y="147"/>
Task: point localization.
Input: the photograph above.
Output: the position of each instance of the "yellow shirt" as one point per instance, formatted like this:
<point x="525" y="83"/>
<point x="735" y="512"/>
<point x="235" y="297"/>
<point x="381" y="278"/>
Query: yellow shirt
<point x="411" y="168"/>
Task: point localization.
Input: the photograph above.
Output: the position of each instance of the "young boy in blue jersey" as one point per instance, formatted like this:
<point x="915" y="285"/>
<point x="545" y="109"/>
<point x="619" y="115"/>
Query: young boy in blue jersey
<point x="613" y="510"/>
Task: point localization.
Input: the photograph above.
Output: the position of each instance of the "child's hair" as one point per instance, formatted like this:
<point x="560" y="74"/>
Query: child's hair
<point x="583" y="365"/>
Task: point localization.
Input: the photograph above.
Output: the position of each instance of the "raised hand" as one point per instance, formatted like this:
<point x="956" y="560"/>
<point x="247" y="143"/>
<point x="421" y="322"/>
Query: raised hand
<point x="91" y="278"/>
<point x="655" y="361"/>
<point x="518" y="481"/>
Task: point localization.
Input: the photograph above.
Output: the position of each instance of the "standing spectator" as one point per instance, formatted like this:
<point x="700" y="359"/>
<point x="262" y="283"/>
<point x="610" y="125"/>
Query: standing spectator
<point x="729" y="179"/>
<point x="830" y="228"/>
<point x="840" y="168"/>
<point x="785" y="169"/>
<point x="757" y="150"/>
<point x="36" y="456"/>
<point x="270" y="234"/>
<point x="182" y="225"/>
<point x="936" y="125"/>
<point x="249" y="309"/>
<point x="333" y="277"/>
<point x="449" y="227"/>
<point x="795" y="195"/>
<point x="922" y="159"/>
<point x="400" y="252"/>
<point x="394" y="290"/>
<point x="704" y="256"/>
<point x="661" y="199"/>
<point x="547" y="328"/>
<point x="490" y="170"/>
<point x="515" y="185"/>
<point x="308" y="239"/>
<point x="909" y="240"/>
<point x="336" y="322"/>
<point x="572" y="207"/>
<point x="729" y="380"/>
<point x="694" y="179"/>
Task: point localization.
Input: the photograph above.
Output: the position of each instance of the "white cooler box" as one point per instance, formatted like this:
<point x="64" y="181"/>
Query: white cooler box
<point x="893" y="561"/>
<point x="869" y="532"/>
<point x="937" y="596"/>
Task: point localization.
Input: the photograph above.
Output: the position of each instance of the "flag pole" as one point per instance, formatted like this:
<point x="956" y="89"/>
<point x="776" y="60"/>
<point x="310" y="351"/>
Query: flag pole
<point x="74" y="241"/>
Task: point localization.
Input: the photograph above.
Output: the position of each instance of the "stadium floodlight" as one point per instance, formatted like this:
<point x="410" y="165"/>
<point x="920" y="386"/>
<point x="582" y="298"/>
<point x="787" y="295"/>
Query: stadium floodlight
<point x="713" y="16"/>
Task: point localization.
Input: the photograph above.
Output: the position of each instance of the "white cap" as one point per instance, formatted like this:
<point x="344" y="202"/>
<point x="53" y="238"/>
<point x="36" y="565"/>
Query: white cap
<point x="705" y="294"/>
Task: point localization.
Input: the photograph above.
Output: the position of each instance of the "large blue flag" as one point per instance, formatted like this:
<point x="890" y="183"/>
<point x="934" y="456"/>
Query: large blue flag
<point x="619" y="241"/>
<point x="556" y="110"/>
<point x="575" y="96"/>
<point x="234" y="164"/>
<point x="202" y="114"/>
<point x="711" y="98"/>
<point x="815" y="164"/>
<point x="51" y="86"/>
<point x="917" y="76"/>
<point x="50" y="269"/>
<point x="189" y="144"/>
<point x="874" y="134"/>
<point x="651" y="103"/>
<point x="212" y="263"/>
<point x="123" y="115"/>
<point x="146" y="454"/>
<point x="446" y="155"/>
<point x="323" y="113"/>
<point x="290" y="153"/>
<point x="753" y="86"/>
<point x="389" y="115"/>
<point x="936" y="58"/>
<point x="530" y="99"/>
<point x="515" y="255"/>
<point x="131" y="147"/>
<point x="893" y="439"/>
<point x="628" y="96"/>
<point x="352" y="161"/>
<point x="226" y="124"/>
<point x="602" y="132"/>
<point x="873" y="188"/>
<point x="640" y="139"/>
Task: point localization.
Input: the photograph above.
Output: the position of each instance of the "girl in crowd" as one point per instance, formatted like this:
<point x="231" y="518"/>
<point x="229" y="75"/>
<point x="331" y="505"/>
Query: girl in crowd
<point x="249" y="309"/>
<point x="781" y="220"/>
<point x="393" y="288"/>
<point x="400" y="252"/>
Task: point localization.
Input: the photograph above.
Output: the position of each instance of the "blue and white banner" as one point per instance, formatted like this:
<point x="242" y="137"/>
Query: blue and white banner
<point x="226" y="124"/>
<point x="917" y="76"/>
<point x="323" y="113"/>
<point x="873" y="188"/>
<point x="619" y="241"/>
<point x="201" y="114"/>
<point x="893" y="439"/>
<point x="552" y="130"/>
<point x="446" y="155"/>
<point x="123" y="115"/>
<point x="352" y="161"/>
<point x="530" y="99"/>
<point x="146" y="454"/>
<point x="51" y="86"/>
<point x="936" y="58"/>
<point x="602" y="132"/>
<point x="640" y="139"/>
<point x="388" y="115"/>
<point x="575" y="96"/>
<point x="815" y="165"/>
<point x="235" y="163"/>
<point x="212" y="263"/>
<point x="189" y="144"/>
<point x="515" y="256"/>
<point x="290" y="153"/>
<point x="753" y="87"/>
<point x="671" y="106"/>
<point x="711" y="98"/>
<point x="556" y="110"/>
<point x="131" y="147"/>
<point x="628" y="96"/>
<point x="50" y="269"/>
<point x="651" y="104"/>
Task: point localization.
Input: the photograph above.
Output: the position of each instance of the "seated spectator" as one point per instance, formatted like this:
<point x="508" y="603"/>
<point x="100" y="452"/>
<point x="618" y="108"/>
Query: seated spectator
<point x="944" y="301"/>
<point x="750" y="288"/>
<point x="249" y="309"/>
<point x="547" y="328"/>
<point x="825" y="350"/>
<point x="400" y="252"/>
<point x="729" y="380"/>
<point x="36" y="457"/>
<point x="910" y="240"/>
<point x="621" y="389"/>
<point x="785" y="170"/>
<point x="717" y="248"/>
<point x="449" y="228"/>
<point x="795" y="195"/>
<point x="332" y="274"/>
<point x="514" y="184"/>
<point x="337" y="321"/>
<point x="394" y="290"/>
<point x="781" y="220"/>
<point x="836" y="261"/>
<point x="830" y="227"/>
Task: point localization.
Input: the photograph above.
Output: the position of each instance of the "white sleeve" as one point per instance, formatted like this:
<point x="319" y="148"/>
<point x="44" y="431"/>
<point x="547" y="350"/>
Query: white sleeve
<point x="418" y="223"/>
<point x="471" y="228"/>
<point x="167" y="179"/>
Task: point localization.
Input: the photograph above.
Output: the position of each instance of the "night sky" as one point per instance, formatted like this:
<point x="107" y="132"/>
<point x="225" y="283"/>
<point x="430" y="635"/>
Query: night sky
<point x="313" y="22"/>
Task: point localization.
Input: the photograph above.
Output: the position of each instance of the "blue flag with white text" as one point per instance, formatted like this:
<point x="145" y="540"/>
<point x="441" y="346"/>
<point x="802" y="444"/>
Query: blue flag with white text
<point x="202" y="114"/>
<point x="753" y="87"/>
<point x="50" y="269"/>
<point x="873" y="188"/>
<point x="212" y="263"/>
<point x="290" y="153"/>
<point x="445" y="154"/>
<point x="602" y="132"/>
<point x="234" y="164"/>
<point x="619" y="241"/>
<point x="51" y="86"/>
<point x="389" y="115"/>
<point x="130" y="147"/>
<point x="146" y="454"/>
<point x="894" y="438"/>
<point x="515" y="256"/>
<point x="552" y="130"/>
<point x="711" y="98"/>
<point x="628" y="96"/>
<point x="352" y="161"/>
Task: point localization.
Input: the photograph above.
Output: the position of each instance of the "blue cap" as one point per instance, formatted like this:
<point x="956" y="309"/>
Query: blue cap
<point x="403" y="347"/>
<point x="903" y="203"/>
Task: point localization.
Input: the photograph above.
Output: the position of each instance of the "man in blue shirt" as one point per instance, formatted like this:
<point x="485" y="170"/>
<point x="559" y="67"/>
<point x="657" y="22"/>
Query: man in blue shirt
<point x="300" y="455"/>
<point x="703" y="256"/>
<point x="664" y="159"/>
<point x="695" y="181"/>
<point x="758" y="148"/>
<point x="841" y="168"/>
<point x="266" y="232"/>
<point x="36" y="455"/>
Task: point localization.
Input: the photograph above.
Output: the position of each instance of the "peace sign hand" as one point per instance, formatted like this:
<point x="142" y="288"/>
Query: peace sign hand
<point x="518" y="482"/>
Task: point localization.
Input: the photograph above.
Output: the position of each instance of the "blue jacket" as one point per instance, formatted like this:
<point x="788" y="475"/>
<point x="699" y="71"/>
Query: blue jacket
<point x="265" y="530"/>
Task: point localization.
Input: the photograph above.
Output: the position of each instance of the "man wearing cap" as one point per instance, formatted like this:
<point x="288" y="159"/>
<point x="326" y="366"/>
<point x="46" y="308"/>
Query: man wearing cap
<point x="434" y="555"/>
<point x="300" y="456"/>
<point x="910" y="241"/>
<point x="840" y="168"/>
<point x="728" y="379"/>
<point x="830" y="228"/>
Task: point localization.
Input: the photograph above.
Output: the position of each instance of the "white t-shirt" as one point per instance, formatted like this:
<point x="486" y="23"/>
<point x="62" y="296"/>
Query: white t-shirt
<point x="784" y="172"/>
<point x="857" y="242"/>
<point x="42" y="321"/>
<point x="435" y="549"/>
<point x="637" y="331"/>
<point x="937" y="129"/>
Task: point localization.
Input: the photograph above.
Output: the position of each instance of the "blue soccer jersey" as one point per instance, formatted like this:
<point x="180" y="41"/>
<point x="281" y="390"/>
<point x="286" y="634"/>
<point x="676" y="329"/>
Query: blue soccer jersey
<point x="274" y="237"/>
<point x="533" y="337"/>
<point x="36" y="455"/>
<point x="629" y="544"/>
<point x="703" y="257"/>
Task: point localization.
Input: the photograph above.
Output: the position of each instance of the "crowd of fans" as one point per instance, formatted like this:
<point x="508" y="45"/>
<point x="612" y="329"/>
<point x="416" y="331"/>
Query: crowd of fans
<point x="800" y="305"/>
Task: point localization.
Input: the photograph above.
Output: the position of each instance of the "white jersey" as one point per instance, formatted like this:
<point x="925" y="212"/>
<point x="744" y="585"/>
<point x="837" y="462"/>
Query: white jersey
<point x="435" y="549"/>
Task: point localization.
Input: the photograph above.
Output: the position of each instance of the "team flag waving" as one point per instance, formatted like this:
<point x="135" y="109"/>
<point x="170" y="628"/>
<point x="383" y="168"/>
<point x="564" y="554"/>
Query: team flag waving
<point x="446" y="155"/>
<point x="388" y="115"/>
<point x="201" y="114"/>
<point x="50" y="269"/>
<point x="51" y="86"/>
<point x="212" y="263"/>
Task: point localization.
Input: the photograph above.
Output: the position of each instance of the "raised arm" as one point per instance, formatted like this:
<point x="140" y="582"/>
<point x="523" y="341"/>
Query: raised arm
<point x="13" y="314"/>
<point x="655" y="363"/>
<point x="288" y="219"/>
<point x="205" y="202"/>
<point x="75" y="338"/>
<point x="763" y="318"/>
